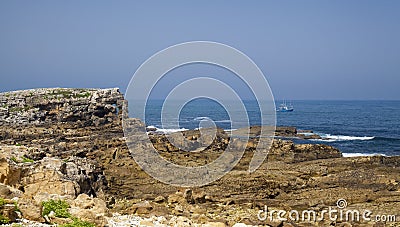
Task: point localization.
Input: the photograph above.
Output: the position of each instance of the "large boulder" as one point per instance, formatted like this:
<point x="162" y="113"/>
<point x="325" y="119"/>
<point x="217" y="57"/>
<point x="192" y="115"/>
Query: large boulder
<point x="89" y="209"/>
<point x="49" y="174"/>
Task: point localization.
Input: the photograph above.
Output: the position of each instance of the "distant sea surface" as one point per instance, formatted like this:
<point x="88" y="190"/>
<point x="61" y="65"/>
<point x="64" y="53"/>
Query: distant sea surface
<point x="354" y="127"/>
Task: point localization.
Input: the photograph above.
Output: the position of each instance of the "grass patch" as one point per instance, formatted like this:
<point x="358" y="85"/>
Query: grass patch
<point x="19" y="109"/>
<point x="26" y="160"/>
<point x="4" y="220"/>
<point x="62" y="92"/>
<point x="16" y="207"/>
<point x="83" y="95"/>
<point x="65" y="93"/>
<point x="15" y="109"/>
<point x="14" y="159"/>
<point x="22" y="160"/>
<point x="78" y="223"/>
<point x="59" y="207"/>
<point x="2" y="202"/>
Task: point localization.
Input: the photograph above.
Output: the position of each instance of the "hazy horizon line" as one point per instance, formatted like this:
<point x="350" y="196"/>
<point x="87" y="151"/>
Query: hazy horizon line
<point x="245" y="99"/>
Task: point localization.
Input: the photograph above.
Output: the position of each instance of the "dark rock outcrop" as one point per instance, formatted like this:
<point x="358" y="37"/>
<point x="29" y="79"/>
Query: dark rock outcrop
<point x="56" y="105"/>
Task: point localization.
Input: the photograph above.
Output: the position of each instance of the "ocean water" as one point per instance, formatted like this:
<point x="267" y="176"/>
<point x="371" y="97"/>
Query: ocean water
<point x="354" y="127"/>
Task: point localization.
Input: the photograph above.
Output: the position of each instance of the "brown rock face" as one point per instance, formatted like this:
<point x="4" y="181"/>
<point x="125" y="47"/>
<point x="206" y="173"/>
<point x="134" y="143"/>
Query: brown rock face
<point x="48" y="175"/>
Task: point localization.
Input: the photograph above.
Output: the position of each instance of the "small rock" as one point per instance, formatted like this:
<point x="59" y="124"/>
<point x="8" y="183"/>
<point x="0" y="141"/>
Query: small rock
<point x="240" y="225"/>
<point x="159" y="199"/>
<point x="175" y="198"/>
<point x="142" y="208"/>
<point x="214" y="224"/>
<point x="188" y="195"/>
<point x="199" y="197"/>
<point x="178" y="210"/>
<point x="146" y="223"/>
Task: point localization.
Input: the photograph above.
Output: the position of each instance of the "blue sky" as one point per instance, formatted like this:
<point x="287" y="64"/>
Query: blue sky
<point x="306" y="49"/>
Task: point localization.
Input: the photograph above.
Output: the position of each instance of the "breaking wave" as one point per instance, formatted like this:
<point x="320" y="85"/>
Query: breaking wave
<point x="360" y="154"/>
<point x="165" y="130"/>
<point x="335" y="138"/>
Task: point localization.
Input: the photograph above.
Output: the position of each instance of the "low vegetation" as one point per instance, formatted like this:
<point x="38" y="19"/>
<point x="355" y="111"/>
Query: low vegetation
<point x="65" y="93"/>
<point x="60" y="209"/>
<point x="19" y="109"/>
<point x="78" y="223"/>
<point x="23" y="159"/>
<point x="2" y="202"/>
<point x="3" y="220"/>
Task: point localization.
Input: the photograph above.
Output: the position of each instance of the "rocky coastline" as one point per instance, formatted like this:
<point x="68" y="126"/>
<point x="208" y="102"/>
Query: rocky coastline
<point x="65" y="148"/>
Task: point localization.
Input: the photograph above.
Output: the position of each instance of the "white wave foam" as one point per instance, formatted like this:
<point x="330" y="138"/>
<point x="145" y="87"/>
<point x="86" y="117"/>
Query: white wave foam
<point x="334" y="138"/>
<point x="306" y="133"/>
<point x="165" y="130"/>
<point x="201" y="118"/>
<point x="224" y="121"/>
<point x="169" y="130"/>
<point x="209" y="119"/>
<point x="360" y="154"/>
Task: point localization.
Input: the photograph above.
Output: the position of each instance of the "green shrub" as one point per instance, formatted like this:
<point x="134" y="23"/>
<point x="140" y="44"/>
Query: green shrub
<point x="59" y="207"/>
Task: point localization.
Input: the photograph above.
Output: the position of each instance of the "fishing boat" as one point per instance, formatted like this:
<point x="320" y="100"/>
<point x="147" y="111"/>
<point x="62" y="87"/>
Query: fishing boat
<point x="285" y="108"/>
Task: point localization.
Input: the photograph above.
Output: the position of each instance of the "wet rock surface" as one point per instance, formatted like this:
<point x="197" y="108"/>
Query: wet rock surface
<point x="85" y="161"/>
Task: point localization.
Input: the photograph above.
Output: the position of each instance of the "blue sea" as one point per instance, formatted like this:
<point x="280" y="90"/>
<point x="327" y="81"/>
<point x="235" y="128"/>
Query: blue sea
<point x="354" y="127"/>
